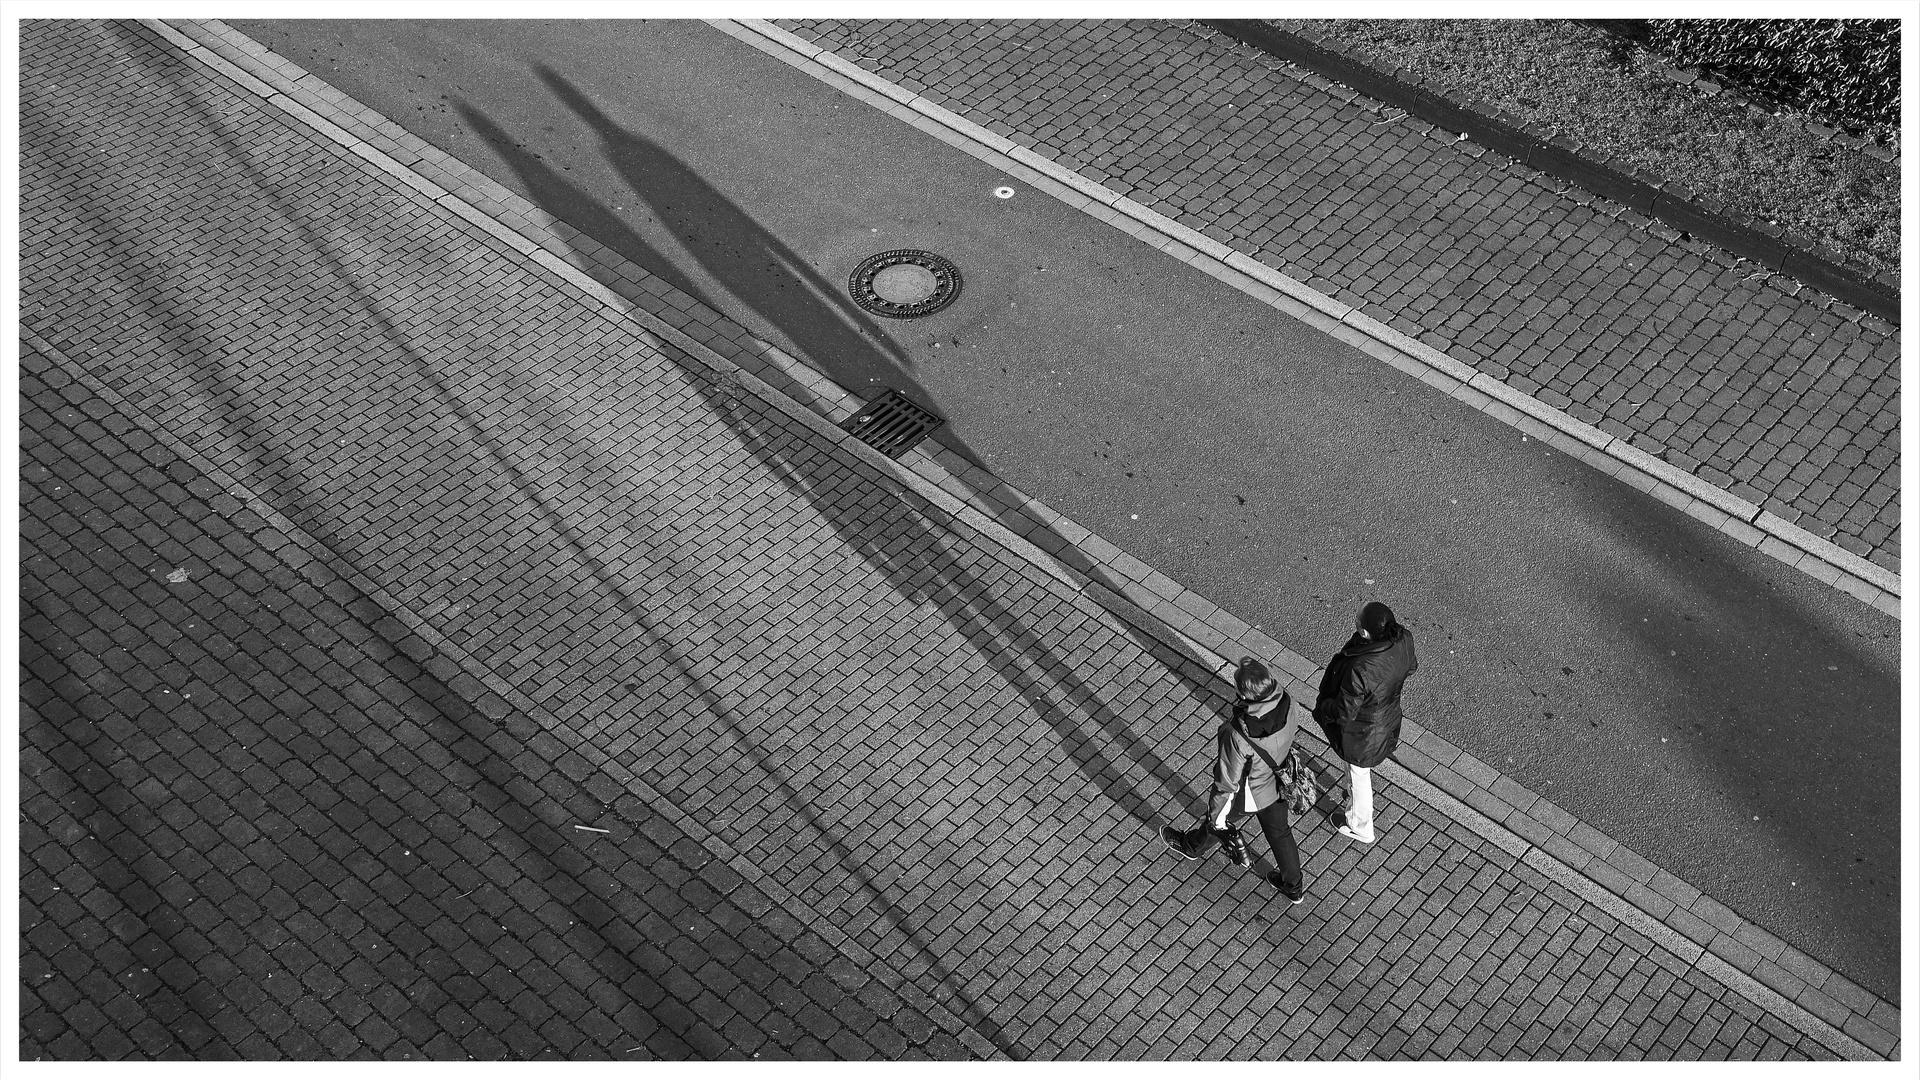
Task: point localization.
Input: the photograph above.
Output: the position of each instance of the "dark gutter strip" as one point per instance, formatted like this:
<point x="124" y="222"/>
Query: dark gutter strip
<point x="1557" y="155"/>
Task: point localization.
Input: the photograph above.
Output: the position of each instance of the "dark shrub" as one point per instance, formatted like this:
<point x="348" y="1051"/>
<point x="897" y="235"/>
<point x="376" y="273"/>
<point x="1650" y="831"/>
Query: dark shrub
<point x="1843" y="69"/>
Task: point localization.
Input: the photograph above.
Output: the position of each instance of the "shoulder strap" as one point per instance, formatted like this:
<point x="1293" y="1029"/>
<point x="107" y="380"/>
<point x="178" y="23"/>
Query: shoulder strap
<point x="1264" y="756"/>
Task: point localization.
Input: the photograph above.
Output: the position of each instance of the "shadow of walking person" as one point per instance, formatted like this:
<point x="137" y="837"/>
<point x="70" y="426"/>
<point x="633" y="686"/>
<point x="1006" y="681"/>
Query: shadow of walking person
<point x="750" y="263"/>
<point x="913" y="557"/>
<point x="762" y="273"/>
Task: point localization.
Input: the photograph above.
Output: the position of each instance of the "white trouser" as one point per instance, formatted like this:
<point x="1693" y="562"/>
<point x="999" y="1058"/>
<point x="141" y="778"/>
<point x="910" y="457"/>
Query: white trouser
<point x="1360" y="811"/>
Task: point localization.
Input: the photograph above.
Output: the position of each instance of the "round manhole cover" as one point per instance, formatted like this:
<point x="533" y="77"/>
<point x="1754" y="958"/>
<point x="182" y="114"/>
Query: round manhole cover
<point x="904" y="284"/>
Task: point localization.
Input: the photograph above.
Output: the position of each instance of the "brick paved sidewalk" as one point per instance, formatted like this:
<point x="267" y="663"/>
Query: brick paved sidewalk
<point x="538" y="569"/>
<point x="264" y="820"/>
<point x="1742" y="377"/>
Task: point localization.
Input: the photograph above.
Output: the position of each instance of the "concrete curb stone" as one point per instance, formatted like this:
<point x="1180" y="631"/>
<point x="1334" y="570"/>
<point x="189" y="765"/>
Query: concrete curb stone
<point x="1719" y="509"/>
<point x="985" y="517"/>
<point x="1560" y="156"/>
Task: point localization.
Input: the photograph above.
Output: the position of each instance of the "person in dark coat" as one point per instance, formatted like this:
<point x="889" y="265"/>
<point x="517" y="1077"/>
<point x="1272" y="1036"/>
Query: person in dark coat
<point x="1249" y="747"/>
<point x="1359" y="705"/>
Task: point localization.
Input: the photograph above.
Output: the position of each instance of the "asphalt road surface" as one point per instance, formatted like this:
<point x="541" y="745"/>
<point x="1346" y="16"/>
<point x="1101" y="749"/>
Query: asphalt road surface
<point x="1718" y="712"/>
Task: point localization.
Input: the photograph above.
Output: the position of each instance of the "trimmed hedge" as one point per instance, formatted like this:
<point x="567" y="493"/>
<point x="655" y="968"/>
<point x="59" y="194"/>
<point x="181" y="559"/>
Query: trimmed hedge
<point x="1845" y="69"/>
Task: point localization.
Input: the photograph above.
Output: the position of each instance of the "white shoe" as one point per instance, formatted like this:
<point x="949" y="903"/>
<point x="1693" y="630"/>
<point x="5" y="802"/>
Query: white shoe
<point x="1351" y="835"/>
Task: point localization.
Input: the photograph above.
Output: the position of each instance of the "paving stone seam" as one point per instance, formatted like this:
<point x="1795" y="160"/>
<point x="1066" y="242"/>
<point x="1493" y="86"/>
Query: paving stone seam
<point x="506" y="239"/>
<point x="1169" y="634"/>
<point x="325" y="557"/>
<point x="1696" y="957"/>
<point x="1583" y="840"/>
<point x="171" y="857"/>
<point x="1744" y="521"/>
<point x="1541" y="150"/>
<point x="1188" y="244"/>
<point x="1125" y="598"/>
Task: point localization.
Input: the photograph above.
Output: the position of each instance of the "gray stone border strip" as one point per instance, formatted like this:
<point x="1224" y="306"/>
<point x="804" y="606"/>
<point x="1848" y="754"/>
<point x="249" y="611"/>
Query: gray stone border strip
<point x="317" y="554"/>
<point x="1845" y="1017"/>
<point x="1558" y="155"/>
<point x="1820" y="559"/>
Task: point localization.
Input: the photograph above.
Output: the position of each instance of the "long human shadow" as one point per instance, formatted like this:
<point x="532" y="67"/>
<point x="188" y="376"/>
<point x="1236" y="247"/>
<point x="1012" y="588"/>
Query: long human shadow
<point x="976" y="613"/>
<point x="954" y="589"/>
<point x="923" y="567"/>
<point x="637" y="159"/>
<point x="760" y="269"/>
<point x="755" y="267"/>
<point x="258" y="440"/>
<point x="550" y="512"/>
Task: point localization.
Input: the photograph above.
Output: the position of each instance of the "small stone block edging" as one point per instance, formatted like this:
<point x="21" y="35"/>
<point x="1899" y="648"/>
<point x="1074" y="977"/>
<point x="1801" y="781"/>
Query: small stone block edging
<point x="1557" y="155"/>
<point x="1826" y="562"/>
<point x="1446" y="776"/>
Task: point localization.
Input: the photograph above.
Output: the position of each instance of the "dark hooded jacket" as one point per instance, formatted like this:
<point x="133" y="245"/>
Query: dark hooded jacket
<point x="1359" y="702"/>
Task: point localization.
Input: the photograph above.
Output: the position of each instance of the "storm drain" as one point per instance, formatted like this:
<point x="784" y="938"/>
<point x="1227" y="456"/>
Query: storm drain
<point x="891" y="423"/>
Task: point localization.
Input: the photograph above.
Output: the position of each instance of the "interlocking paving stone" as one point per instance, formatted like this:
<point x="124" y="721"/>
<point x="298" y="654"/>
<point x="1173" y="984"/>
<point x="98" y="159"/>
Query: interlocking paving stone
<point x="889" y="732"/>
<point x="1744" y="378"/>
<point x="147" y="937"/>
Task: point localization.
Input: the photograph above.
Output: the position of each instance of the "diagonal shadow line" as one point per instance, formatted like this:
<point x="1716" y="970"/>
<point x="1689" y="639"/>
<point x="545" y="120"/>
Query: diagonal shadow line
<point x="496" y="789"/>
<point x="108" y="861"/>
<point x="638" y="613"/>
<point x="633" y="150"/>
<point x="529" y="490"/>
<point x="971" y="1012"/>
<point x="370" y="306"/>
<point x="953" y="587"/>
<point x="547" y="855"/>
<point x="184" y="337"/>
<point x="690" y="675"/>
<point x="975" y="620"/>
<point x="117" y="871"/>
<point x="954" y="590"/>
<point x="563" y="194"/>
<point x="754" y="266"/>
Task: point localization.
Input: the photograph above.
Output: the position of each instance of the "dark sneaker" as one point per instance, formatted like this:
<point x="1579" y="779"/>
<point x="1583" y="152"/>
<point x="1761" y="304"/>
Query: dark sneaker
<point x="1235" y="845"/>
<point x="1176" y="840"/>
<point x="1293" y="896"/>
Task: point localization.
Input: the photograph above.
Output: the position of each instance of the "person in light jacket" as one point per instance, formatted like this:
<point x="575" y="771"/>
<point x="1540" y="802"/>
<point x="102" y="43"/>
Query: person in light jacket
<point x="1359" y="705"/>
<point x="1250" y="746"/>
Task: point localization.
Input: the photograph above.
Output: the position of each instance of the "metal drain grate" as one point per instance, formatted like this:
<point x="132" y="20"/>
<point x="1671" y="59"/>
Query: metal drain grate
<point x="891" y="423"/>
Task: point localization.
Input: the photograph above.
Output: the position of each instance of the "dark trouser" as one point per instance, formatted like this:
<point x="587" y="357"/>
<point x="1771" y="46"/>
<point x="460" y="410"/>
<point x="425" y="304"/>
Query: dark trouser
<point x="1273" y="821"/>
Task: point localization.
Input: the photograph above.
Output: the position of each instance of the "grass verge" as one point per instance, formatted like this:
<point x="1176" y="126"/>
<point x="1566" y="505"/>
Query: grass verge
<point x="1569" y="78"/>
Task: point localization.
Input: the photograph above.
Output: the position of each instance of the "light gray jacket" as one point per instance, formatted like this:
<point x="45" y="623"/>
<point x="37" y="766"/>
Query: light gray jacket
<point x="1243" y="779"/>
